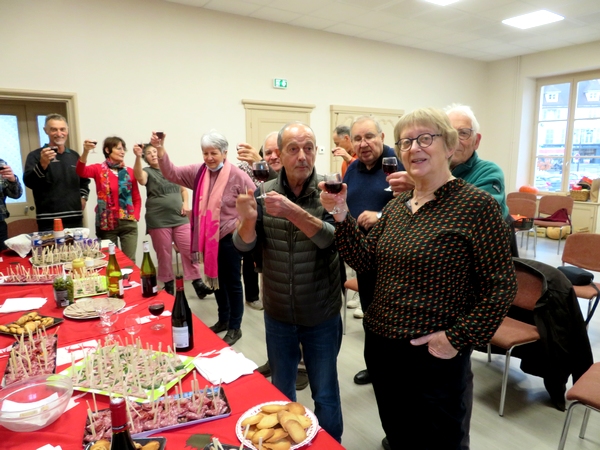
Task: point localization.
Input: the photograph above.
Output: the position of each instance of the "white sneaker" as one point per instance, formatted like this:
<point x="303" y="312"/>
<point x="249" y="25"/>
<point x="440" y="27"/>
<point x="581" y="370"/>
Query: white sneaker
<point x="358" y="313"/>
<point x="257" y="304"/>
<point x="351" y="304"/>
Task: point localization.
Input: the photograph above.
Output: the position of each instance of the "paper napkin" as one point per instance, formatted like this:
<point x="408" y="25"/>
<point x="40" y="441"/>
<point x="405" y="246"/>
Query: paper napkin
<point x="22" y="304"/>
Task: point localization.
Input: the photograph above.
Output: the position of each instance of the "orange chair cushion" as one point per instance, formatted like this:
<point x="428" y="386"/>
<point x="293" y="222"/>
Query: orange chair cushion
<point x="514" y="332"/>
<point x="587" y="389"/>
<point x="587" y="292"/>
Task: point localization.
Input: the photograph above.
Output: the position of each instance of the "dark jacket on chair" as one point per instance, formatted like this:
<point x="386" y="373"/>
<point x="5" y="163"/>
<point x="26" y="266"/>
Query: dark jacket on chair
<point x="564" y="348"/>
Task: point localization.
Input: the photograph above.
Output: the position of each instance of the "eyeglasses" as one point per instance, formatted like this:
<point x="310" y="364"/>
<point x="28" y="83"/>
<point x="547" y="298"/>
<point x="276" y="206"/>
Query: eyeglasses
<point x="464" y="133"/>
<point x="423" y="140"/>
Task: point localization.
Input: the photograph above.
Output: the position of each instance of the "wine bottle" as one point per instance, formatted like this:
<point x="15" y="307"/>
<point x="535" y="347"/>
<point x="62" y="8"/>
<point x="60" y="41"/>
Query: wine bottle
<point x="121" y="438"/>
<point x="181" y="320"/>
<point x="148" y="274"/>
<point x="113" y="273"/>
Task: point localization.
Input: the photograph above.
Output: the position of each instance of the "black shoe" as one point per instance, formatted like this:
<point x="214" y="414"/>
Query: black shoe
<point x="170" y="287"/>
<point x="202" y="290"/>
<point x="301" y="379"/>
<point x="362" y="377"/>
<point x="233" y="336"/>
<point x="265" y="370"/>
<point x="219" y="326"/>
<point x="385" y="444"/>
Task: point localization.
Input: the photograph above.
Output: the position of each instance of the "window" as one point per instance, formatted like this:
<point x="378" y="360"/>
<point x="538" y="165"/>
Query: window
<point x="568" y="131"/>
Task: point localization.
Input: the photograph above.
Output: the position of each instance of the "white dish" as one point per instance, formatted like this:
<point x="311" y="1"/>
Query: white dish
<point x="83" y="309"/>
<point x="311" y="431"/>
<point x="126" y="271"/>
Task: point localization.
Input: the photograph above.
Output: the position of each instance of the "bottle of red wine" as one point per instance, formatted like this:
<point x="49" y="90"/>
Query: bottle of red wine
<point x="121" y="439"/>
<point x="181" y="319"/>
<point x="114" y="274"/>
<point x="148" y="274"/>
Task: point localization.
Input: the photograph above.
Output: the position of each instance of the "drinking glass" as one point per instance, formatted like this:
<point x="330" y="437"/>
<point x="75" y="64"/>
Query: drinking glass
<point x="333" y="185"/>
<point x="132" y="324"/>
<point x="260" y="170"/>
<point x="55" y="159"/>
<point x="156" y="309"/>
<point x="106" y="312"/>
<point x="389" y="164"/>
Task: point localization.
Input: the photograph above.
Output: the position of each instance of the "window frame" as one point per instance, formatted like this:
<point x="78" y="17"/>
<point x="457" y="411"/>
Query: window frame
<point x="569" y="153"/>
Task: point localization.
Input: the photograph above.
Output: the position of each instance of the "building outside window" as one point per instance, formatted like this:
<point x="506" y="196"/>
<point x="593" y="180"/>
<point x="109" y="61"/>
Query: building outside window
<point x="568" y="131"/>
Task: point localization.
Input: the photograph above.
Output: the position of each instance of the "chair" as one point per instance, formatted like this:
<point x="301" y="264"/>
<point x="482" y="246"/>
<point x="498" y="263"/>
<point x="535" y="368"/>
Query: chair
<point x="582" y="250"/>
<point x="549" y="204"/>
<point x="352" y="285"/>
<point x="513" y="333"/>
<point x="21" y="226"/>
<point x="523" y="204"/>
<point x="585" y="392"/>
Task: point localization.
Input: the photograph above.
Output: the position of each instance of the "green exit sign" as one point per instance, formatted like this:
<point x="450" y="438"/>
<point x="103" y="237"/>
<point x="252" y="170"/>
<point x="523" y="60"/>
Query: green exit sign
<point x="280" y="83"/>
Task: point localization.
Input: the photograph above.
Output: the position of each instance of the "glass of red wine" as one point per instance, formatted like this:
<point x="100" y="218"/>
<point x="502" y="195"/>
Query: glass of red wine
<point x="333" y="185"/>
<point x="156" y="309"/>
<point x="55" y="149"/>
<point x="389" y="164"/>
<point x="260" y="170"/>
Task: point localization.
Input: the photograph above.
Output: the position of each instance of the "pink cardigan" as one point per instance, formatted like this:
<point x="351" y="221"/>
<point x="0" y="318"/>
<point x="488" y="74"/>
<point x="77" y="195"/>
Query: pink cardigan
<point x="95" y="170"/>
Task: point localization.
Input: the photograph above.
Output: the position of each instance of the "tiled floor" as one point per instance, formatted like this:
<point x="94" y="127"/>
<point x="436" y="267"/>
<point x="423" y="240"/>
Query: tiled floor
<point x="530" y="422"/>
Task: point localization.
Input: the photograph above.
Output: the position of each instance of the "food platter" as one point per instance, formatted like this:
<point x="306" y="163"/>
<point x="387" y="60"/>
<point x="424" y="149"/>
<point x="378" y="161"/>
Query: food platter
<point x="161" y="441"/>
<point x="164" y="414"/>
<point x="311" y="432"/>
<point x="141" y="374"/>
<point x="98" y="263"/>
<point x="55" y="321"/>
<point x="89" y="286"/>
<point x="84" y="309"/>
<point x="38" y="359"/>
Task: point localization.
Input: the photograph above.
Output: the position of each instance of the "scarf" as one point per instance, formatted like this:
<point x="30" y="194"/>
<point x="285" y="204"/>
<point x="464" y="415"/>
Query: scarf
<point x="112" y="207"/>
<point x="206" y="212"/>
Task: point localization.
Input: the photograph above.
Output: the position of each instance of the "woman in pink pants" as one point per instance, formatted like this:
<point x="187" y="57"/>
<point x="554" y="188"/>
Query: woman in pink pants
<point x="167" y="221"/>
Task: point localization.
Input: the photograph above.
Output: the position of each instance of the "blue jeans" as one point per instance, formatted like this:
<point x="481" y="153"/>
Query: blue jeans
<point x="320" y="347"/>
<point x="230" y="299"/>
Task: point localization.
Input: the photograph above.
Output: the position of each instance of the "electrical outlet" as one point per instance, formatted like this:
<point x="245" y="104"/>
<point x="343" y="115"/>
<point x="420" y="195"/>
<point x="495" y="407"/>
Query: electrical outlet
<point x="321" y="151"/>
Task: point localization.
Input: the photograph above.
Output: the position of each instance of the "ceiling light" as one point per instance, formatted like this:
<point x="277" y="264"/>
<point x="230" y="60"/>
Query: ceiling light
<point x="534" y="19"/>
<point x="442" y="2"/>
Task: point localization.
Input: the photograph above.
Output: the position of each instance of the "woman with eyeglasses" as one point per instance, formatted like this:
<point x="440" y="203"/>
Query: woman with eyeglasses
<point x="445" y="281"/>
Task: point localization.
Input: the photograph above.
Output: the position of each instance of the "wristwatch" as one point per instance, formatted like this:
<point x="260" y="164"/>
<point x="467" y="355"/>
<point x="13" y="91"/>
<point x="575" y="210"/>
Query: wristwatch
<point x="378" y="215"/>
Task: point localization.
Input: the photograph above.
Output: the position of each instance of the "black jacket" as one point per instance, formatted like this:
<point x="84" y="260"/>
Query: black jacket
<point x="564" y="348"/>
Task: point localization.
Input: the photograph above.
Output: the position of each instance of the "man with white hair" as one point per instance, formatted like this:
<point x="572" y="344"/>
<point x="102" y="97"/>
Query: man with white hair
<point x="466" y="164"/>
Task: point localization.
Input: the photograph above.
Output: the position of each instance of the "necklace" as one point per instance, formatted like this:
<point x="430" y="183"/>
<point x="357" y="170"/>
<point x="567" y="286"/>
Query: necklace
<point x="417" y="198"/>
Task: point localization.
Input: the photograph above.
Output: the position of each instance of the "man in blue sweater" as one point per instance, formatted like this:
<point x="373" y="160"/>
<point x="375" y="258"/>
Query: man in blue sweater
<point x="367" y="197"/>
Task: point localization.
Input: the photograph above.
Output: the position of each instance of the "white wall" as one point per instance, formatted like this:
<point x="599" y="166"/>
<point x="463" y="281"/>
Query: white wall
<point x="142" y="65"/>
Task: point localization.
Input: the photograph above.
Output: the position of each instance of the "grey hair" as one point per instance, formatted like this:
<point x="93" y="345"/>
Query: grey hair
<point x="364" y="119"/>
<point x="285" y="127"/>
<point x="342" y="130"/>
<point x="54" y="116"/>
<point x="465" y="111"/>
<point x="271" y="134"/>
<point x="214" y="140"/>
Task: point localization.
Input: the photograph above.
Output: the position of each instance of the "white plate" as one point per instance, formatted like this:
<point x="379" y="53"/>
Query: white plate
<point x="83" y="309"/>
<point x="311" y="431"/>
<point x="126" y="271"/>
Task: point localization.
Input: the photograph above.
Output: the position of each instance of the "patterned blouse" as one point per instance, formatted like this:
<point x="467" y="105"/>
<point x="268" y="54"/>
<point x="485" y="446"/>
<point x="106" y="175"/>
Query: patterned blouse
<point x="446" y="267"/>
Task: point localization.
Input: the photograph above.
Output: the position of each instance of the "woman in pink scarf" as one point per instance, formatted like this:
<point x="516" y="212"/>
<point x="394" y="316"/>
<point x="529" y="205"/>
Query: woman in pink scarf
<point x="216" y="184"/>
<point x="119" y="201"/>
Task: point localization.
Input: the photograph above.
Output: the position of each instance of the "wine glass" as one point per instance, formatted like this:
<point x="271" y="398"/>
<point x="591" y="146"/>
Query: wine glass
<point x="389" y="164"/>
<point x="156" y="309"/>
<point x="55" y="149"/>
<point x="132" y="324"/>
<point x="260" y="170"/>
<point x="106" y="312"/>
<point x="333" y="185"/>
<point x="94" y="149"/>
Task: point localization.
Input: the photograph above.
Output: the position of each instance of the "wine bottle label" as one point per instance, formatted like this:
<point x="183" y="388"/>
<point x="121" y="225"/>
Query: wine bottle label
<point x="121" y="287"/>
<point x="181" y="337"/>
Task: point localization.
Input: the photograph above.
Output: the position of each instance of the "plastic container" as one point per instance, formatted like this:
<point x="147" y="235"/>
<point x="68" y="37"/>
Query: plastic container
<point x="34" y="403"/>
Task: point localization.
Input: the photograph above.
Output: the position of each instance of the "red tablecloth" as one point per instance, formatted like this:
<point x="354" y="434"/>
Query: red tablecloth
<point x="67" y="431"/>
